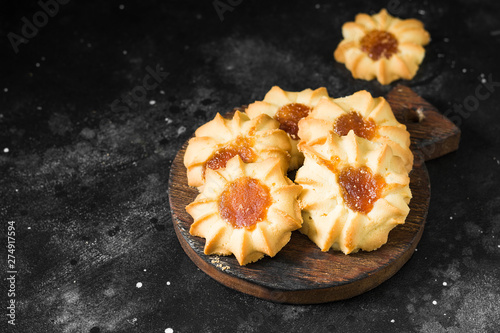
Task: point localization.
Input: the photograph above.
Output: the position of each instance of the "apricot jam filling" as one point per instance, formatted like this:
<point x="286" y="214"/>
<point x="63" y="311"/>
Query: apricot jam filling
<point x="378" y="44"/>
<point x="354" y="121"/>
<point x="244" y="202"/>
<point x="241" y="146"/>
<point x="289" y="115"/>
<point x="360" y="188"/>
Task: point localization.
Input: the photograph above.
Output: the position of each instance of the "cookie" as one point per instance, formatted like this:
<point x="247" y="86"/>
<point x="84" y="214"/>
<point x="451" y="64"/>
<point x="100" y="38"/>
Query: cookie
<point x="382" y="46"/>
<point x="354" y="193"/>
<point x="288" y="108"/>
<point x="369" y="118"/>
<point x="246" y="209"/>
<point x="220" y="139"/>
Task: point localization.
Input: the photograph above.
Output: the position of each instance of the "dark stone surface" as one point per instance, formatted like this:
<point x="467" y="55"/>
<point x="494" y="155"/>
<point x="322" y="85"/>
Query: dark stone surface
<point x="84" y="173"/>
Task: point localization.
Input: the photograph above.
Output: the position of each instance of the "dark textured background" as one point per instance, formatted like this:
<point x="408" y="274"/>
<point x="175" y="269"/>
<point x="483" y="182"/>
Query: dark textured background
<point x="86" y="182"/>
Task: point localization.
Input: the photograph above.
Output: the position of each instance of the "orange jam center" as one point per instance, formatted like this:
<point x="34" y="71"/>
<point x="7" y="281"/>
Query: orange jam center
<point x="379" y="44"/>
<point x="360" y="188"/>
<point x="244" y="202"/>
<point x="354" y="121"/>
<point x="289" y="116"/>
<point x="241" y="146"/>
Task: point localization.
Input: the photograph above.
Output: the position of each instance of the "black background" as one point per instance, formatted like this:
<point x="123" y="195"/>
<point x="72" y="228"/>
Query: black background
<point x="85" y="180"/>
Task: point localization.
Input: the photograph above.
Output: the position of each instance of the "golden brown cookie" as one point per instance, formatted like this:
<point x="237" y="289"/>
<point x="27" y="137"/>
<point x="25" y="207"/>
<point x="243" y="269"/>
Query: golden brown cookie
<point x="370" y="118"/>
<point x="354" y="193"/>
<point x="220" y="139"/>
<point x="248" y="210"/>
<point x="288" y="108"/>
<point x="382" y="46"/>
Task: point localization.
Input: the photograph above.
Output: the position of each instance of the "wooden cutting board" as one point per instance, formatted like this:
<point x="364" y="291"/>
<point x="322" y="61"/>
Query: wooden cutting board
<point x="300" y="273"/>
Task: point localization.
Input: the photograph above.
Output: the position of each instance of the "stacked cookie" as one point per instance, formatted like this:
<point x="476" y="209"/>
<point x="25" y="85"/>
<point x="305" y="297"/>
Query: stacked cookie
<point x="355" y="174"/>
<point x="351" y="187"/>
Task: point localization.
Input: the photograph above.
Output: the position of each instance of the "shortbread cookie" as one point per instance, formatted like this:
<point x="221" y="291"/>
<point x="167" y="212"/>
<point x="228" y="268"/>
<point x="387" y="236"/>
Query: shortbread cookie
<point x="354" y="193"/>
<point x="248" y="210"/>
<point x="382" y="46"/>
<point x="220" y="139"/>
<point x="288" y="108"/>
<point x="370" y="118"/>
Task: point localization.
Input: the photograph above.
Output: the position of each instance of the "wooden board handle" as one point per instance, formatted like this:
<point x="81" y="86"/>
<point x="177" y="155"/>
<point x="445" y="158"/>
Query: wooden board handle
<point x="432" y="134"/>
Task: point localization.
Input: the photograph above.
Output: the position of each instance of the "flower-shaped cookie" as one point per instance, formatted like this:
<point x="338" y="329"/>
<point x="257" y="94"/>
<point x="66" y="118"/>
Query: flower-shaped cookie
<point x="370" y="118"/>
<point x="382" y="46"/>
<point x="354" y="193"/>
<point x="288" y="108"/>
<point x="248" y="210"/>
<point x="220" y="139"/>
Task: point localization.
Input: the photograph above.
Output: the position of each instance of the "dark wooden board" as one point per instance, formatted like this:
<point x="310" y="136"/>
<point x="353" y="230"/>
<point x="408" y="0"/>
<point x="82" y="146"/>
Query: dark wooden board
<point x="300" y="273"/>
